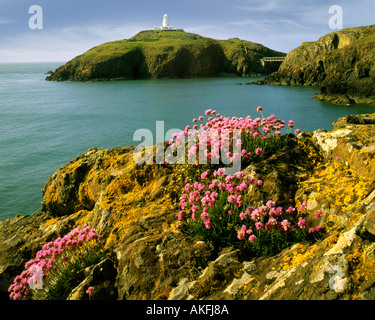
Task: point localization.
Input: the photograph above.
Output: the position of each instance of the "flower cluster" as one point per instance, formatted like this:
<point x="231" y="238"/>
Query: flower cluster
<point x="52" y="253"/>
<point x="271" y="218"/>
<point x="215" y="202"/>
<point x="216" y="136"/>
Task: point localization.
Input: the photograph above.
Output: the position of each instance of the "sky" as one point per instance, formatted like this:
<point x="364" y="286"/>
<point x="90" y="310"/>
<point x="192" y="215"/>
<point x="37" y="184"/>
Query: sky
<point x="67" y="28"/>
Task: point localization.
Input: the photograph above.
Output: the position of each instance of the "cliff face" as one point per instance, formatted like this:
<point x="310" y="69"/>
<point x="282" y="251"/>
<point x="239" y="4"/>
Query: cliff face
<point x="166" y="54"/>
<point x="342" y="63"/>
<point x="149" y="258"/>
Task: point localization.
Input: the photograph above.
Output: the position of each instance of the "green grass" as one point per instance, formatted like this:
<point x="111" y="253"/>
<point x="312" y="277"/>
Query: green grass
<point x="158" y="40"/>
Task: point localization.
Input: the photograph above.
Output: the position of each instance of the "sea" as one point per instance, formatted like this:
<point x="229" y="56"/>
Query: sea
<point x="45" y="124"/>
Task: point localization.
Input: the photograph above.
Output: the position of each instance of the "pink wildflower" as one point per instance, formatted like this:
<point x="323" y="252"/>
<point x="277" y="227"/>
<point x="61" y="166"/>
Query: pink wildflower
<point x="318" y="214"/>
<point x="270" y="204"/>
<point x="240" y="175"/>
<point x="303" y="206"/>
<point x="302" y="223"/>
<point x="90" y="291"/>
<point x="284" y="225"/>
<point x="258" y="151"/>
<point x="220" y="171"/>
<point x="242" y="215"/>
<point x="290" y="210"/>
<point x="259" y="225"/>
<point x="259" y="109"/>
<point x="240" y="235"/>
<point x="207" y="224"/>
<point x="252" y="238"/>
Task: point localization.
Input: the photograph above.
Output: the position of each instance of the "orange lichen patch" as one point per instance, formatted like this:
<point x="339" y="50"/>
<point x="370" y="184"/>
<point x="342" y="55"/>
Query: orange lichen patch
<point x="336" y="190"/>
<point x="361" y="266"/>
<point x="50" y="222"/>
<point x="299" y="254"/>
<point x="51" y="195"/>
<point x="72" y="166"/>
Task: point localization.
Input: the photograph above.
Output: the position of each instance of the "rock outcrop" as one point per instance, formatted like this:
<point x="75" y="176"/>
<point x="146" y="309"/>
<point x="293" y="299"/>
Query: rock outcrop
<point x="167" y="54"/>
<point x="149" y="258"/>
<point x="341" y="63"/>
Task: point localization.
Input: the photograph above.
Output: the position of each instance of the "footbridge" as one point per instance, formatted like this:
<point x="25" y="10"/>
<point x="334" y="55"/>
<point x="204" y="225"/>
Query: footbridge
<point x="271" y="59"/>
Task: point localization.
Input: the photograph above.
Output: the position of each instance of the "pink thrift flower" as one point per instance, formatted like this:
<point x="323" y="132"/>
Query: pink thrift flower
<point x="297" y="131"/>
<point x="240" y="235"/>
<point x="256" y="134"/>
<point x="259" y="182"/>
<point x="252" y="238"/>
<point x="303" y="206"/>
<point x="302" y="223"/>
<point x="290" y="210"/>
<point x="318" y="214"/>
<point x="207" y="224"/>
<point x="258" y="151"/>
<point x="243" y="186"/>
<point x="258" y="225"/>
<point x="240" y="175"/>
<point x="259" y="109"/>
<point x="311" y="230"/>
<point x="318" y="228"/>
<point x="285" y="225"/>
<point x="242" y="215"/>
<point x="180" y="215"/>
<point x="90" y="291"/>
<point x="270" y="204"/>
<point x="220" y="172"/>
<point x="228" y="178"/>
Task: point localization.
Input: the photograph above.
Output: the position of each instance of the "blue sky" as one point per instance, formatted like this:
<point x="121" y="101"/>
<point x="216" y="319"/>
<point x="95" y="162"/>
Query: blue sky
<point x="70" y="27"/>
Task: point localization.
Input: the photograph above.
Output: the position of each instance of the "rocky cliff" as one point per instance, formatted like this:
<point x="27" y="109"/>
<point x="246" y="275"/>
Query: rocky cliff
<point x="167" y="54"/>
<point x="342" y="63"/>
<point x="149" y="258"/>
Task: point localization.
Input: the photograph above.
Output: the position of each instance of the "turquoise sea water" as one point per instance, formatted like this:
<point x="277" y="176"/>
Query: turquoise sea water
<point x="44" y="125"/>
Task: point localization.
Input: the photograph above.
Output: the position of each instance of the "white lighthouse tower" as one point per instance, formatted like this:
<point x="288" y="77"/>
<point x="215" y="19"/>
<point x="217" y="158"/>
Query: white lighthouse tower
<point x="165" y="25"/>
<point x="165" y="21"/>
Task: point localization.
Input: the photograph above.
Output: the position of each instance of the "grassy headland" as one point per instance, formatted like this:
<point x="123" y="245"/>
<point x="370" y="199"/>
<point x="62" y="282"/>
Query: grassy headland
<point x="157" y="54"/>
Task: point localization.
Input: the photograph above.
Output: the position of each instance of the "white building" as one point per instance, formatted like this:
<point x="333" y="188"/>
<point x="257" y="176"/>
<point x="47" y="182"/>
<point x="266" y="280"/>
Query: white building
<point x="165" y="25"/>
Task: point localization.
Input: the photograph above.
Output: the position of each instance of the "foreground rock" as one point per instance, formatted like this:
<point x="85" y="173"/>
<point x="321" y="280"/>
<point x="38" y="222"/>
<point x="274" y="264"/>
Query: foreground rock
<point x="341" y="63"/>
<point x="148" y="258"/>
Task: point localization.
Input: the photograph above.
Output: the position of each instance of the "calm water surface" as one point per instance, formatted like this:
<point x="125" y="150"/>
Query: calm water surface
<point x="43" y="124"/>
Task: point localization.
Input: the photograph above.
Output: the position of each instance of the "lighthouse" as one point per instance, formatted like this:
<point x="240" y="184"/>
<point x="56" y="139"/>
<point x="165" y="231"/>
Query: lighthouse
<point x="165" y="25"/>
<point x="165" y="21"/>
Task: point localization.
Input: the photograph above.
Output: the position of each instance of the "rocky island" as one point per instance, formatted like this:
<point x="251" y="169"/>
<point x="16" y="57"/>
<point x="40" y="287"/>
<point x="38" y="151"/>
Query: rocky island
<point x="342" y="63"/>
<point x="146" y="256"/>
<point x="156" y="54"/>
